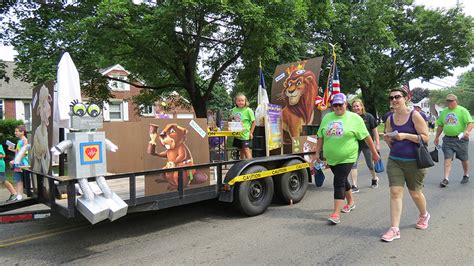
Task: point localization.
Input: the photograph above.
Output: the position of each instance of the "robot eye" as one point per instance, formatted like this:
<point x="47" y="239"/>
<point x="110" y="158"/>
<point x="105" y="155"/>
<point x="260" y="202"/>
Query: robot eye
<point x="79" y="109"/>
<point x="93" y="110"/>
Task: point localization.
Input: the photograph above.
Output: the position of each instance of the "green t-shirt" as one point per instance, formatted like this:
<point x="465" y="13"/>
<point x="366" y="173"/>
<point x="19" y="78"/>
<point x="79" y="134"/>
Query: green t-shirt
<point x="341" y="135"/>
<point x="246" y="116"/>
<point x="2" y="161"/>
<point x="454" y="121"/>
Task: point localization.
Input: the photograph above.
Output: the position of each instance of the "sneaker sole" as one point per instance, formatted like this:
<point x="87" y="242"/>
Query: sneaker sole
<point x="350" y="209"/>
<point x="391" y="239"/>
<point x="334" y="221"/>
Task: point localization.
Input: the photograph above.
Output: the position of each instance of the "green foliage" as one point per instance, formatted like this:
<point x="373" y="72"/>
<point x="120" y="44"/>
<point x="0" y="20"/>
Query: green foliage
<point x="463" y="90"/>
<point x="7" y="131"/>
<point x="196" y="46"/>
<point x="382" y="44"/>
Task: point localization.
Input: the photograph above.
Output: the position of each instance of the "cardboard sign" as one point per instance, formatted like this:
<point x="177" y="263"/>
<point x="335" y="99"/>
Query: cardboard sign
<point x="295" y="87"/>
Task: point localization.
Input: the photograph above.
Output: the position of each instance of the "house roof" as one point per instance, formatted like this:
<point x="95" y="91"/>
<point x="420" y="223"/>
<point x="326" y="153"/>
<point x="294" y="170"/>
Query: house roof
<point x="105" y="71"/>
<point x="15" y="88"/>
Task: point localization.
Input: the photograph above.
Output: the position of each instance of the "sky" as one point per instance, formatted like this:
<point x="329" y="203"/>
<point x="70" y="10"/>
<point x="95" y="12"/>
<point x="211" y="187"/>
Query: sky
<point x="6" y="52"/>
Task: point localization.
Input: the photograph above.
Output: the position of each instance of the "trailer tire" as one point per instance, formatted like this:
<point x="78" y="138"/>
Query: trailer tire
<point x="254" y="196"/>
<point x="291" y="187"/>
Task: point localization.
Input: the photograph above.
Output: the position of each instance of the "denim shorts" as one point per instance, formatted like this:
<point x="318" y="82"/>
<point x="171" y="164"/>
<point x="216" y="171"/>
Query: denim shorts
<point x="17" y="177"/>
<point x="3" y="177"/>
<point x="400" y="172"/>
<point x="452" y="145"/>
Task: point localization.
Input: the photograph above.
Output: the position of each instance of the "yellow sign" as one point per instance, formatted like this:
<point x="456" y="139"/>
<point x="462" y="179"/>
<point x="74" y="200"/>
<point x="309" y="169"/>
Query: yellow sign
<point x="224" y="133"/>
<point x="278" y="171"/>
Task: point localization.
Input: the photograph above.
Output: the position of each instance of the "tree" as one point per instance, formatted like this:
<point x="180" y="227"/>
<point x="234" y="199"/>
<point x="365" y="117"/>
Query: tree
<point x="463" y="90"/>
<point x="188" y="46"/>
<point x="383" y="43"/>
<point x="419" y="94"/>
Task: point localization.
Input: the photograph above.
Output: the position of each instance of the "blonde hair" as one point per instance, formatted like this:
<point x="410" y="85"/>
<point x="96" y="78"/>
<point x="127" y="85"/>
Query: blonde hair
<point x="361" y="104"/>
<point x="242" y="95"/>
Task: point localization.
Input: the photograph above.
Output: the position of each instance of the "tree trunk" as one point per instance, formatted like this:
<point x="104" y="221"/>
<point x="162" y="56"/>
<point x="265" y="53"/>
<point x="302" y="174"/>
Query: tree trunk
<point x="369" y="102"/>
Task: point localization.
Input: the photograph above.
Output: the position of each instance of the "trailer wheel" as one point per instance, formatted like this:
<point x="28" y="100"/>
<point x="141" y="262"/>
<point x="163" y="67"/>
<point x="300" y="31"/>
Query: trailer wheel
<point x="253" y="197"/>
<point x="291" y="186"/>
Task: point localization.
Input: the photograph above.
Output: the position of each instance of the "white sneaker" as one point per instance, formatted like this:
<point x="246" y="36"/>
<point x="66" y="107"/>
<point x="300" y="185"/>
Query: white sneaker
<point x="19" y="197"/>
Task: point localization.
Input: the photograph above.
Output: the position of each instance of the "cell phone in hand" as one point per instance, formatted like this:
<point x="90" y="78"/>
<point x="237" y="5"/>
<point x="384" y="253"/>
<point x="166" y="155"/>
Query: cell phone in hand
<point x="10" y="144"/>
<point x="392" y="134"/>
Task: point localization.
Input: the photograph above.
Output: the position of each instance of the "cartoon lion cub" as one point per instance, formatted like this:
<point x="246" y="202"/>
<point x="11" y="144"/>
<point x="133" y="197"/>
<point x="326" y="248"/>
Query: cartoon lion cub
<point x="177" y="153"/>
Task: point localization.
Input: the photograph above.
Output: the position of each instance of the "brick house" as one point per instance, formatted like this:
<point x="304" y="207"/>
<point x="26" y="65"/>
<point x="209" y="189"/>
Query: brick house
<point x="15" y="97"/>
<point x="121" y="107"/>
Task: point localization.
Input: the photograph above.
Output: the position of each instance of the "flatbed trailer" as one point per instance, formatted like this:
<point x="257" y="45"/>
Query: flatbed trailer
<point x="250" y="185"/>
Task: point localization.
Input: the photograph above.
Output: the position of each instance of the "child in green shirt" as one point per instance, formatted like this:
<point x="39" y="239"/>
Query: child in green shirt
<point x="242" y="113"/>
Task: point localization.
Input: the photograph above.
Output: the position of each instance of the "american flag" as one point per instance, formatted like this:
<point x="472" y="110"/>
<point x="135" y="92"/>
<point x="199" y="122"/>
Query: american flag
<point x="334" y="83"/>
<point x="406" y="87"/>
<point x="334" y="86"/>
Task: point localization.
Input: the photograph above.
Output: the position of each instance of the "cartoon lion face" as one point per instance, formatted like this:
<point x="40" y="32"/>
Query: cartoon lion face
<point x="299" y="91"/>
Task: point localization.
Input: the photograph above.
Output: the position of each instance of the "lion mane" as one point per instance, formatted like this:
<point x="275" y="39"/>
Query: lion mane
<point x="299" y="93"/>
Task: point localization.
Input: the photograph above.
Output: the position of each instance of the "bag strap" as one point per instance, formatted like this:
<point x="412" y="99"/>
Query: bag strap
<point x="420" y="141"/>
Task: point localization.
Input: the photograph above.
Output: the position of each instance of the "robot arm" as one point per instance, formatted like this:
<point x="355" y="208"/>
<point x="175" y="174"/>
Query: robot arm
<point x="110" y="146"/>
<point x="61" y="147"/>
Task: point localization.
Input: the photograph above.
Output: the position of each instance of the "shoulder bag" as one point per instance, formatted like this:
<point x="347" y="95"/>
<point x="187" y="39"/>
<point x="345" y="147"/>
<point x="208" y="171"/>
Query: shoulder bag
<point x="423" y="157"/>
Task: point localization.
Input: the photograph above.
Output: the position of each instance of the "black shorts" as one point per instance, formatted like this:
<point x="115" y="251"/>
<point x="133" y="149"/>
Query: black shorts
<point x="239" y="143"/>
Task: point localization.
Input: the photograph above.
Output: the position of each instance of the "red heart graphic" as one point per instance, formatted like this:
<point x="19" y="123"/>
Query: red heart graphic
<point x="91" y="152"/>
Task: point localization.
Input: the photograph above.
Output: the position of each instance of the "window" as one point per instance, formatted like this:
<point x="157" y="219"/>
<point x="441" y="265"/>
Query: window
<point x="117" y="85"/>
<point x="1" y="109"/>
<point x="147" y="110"/>
<point x="28" y="119"/>
<point x="115" y="111"/>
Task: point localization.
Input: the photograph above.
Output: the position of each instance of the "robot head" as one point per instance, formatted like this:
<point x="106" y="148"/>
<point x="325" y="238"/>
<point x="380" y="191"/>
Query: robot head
<point x="85" y="117"/>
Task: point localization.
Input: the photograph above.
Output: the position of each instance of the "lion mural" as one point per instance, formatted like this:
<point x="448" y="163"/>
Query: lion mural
<point x="299" y="92"/>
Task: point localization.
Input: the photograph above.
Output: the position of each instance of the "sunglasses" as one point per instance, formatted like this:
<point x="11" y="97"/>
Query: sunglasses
<point x="450" y="100"/>
<point x="337" y="105"/>
<point x="396" y="97"/>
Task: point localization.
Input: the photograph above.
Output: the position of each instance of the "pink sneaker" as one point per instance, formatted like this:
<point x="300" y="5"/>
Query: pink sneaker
<point x="335" y="219"/>
<point x="423" y="221"/>
<point x="392" y="233"/>
<point x="348" y="208"/>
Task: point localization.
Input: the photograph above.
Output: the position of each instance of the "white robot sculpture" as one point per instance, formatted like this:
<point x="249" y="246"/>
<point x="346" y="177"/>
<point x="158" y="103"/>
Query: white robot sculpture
<point x="86" y="158"/>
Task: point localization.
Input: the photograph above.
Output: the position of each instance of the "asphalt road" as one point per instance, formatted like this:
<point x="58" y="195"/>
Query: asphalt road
<point x="212" y="232"/>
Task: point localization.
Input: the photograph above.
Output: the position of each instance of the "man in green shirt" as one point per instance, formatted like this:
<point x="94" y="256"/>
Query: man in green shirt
<point x="456" y="123"/>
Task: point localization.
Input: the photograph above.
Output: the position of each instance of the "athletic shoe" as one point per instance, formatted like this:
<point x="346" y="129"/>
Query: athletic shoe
<point x="12" y="198"/>
<point x="444" y="183"/>
<point x="355" y="189"/>
<point x="375" y="183"/>
<point x="423" y="221"/>
<point x="19" y="197"/>
<point x="348" y="208"/>
<point x="335" y="219"/>
<point x="465" y="179"/>
<point x="392" y="234"/>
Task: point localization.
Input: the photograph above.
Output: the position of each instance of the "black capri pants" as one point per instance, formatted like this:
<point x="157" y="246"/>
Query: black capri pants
<point x="340" y="183"/>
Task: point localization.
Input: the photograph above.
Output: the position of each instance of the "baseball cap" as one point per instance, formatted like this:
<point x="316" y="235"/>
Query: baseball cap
<point x="339" y="98"/>
<point x="451" y="97"/>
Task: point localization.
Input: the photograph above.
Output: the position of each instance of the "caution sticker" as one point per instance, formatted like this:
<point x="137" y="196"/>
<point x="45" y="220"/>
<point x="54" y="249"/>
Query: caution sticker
<point x="277" y="171"/>
<point x="224" y="133"/>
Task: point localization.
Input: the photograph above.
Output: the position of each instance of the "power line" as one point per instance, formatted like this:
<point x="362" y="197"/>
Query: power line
<point x="440" y="80"/>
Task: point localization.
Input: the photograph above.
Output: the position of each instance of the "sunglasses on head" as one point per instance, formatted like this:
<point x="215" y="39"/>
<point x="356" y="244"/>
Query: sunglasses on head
<point x="396" y="97"/>
<point x="337" y="104"/>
